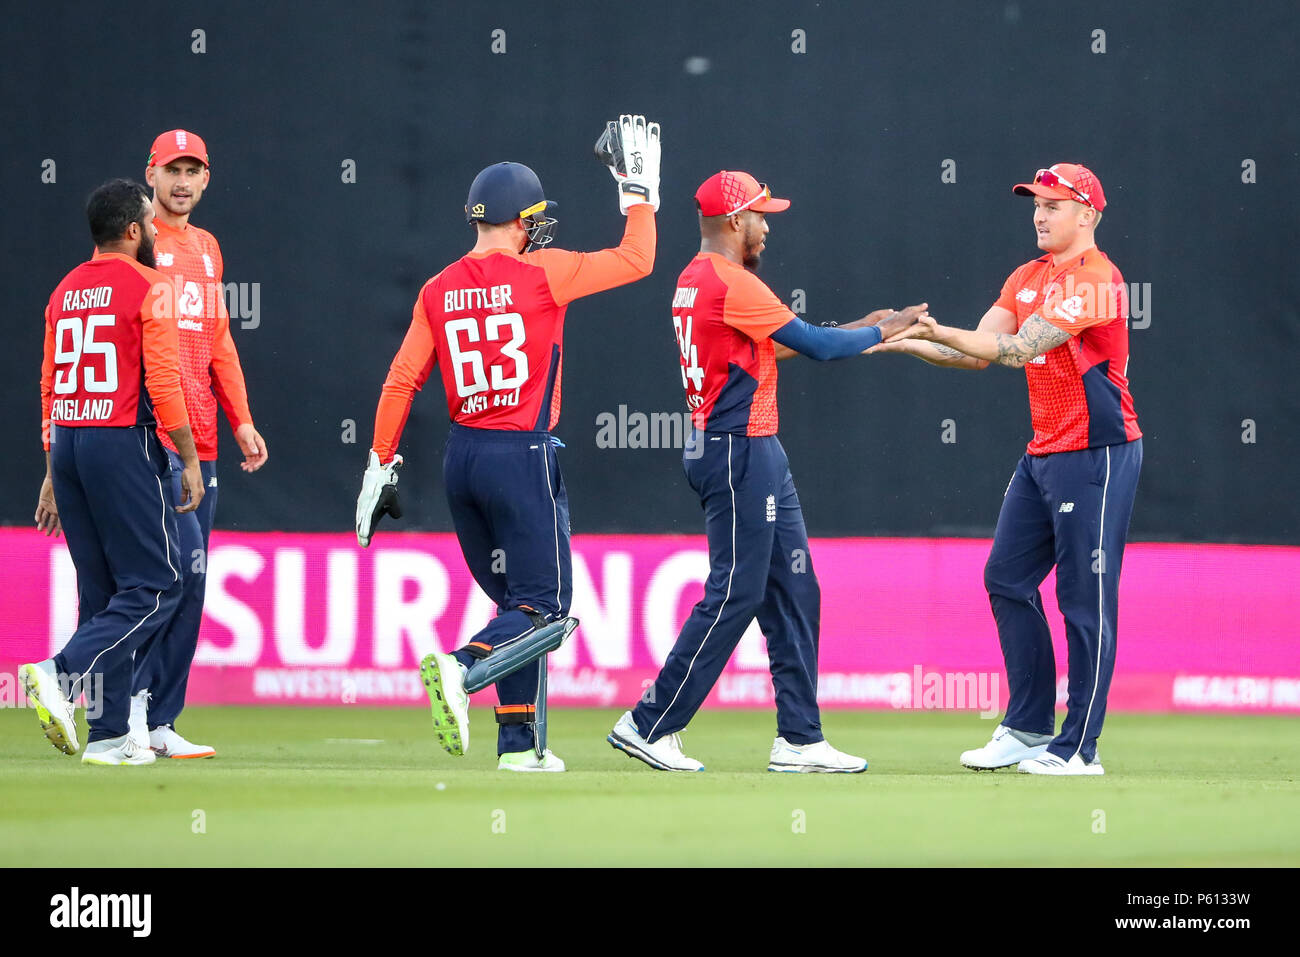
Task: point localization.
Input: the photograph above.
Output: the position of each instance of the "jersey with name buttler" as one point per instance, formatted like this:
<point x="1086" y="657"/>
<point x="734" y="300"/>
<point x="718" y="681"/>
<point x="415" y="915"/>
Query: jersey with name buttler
<point x="493" y="324"/>
<point x="499" y="370"/>
<point x="110" y="348"/>
<point x="724" y="316"/>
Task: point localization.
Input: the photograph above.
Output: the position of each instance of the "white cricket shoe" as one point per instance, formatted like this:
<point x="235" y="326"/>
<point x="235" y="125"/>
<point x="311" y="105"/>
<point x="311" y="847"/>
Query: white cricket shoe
<point x="816" y="758"/>
<point x="444" y="681"/>
<point x="528" y="761"/>
<point x="1008" y="747"/>
<point x="166" y="743"/>
<point x="664" y="755"/>
<point x="137" y="724"/>
<point x="1052" y="764"/>
<point x="116" y="751"/>
<point x="53" y="709"/>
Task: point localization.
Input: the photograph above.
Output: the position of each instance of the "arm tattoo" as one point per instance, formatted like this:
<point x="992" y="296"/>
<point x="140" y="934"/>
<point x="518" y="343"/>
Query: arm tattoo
<point x="1036" y="337"/>
<point x="948" y="352"/>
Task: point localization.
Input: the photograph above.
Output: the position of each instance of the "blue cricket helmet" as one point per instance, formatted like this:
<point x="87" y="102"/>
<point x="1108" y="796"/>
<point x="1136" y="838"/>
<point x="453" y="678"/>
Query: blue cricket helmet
<point x="507" y="191"/>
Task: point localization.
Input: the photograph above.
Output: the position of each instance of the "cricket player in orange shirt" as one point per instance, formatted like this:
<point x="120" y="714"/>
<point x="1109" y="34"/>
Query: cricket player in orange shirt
<point x="178" y="171"/>
<point x="492" y="324"/>
<point x="1063" y="318"/>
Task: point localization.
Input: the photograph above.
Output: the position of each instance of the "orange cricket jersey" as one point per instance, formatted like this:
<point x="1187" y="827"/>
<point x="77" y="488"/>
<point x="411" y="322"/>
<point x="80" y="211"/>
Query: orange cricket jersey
<point x="191" y="258"/>
<point x="493" y="324"/>
<point x="724" y="317"/>
<point x="110" y="349"/>
<point x="1078" y="392"/>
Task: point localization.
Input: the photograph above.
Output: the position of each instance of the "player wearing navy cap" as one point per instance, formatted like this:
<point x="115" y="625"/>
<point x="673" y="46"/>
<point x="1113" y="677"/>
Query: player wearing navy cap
<point x="492" y="324"/>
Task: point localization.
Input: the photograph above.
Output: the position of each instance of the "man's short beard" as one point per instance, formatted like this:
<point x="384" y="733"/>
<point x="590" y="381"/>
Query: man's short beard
<point x="752" y="260"/>
<point x="144" y="254"/>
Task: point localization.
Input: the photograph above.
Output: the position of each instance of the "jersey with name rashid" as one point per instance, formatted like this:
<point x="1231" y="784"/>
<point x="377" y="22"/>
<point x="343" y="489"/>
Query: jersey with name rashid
<point x="110" y="354"/>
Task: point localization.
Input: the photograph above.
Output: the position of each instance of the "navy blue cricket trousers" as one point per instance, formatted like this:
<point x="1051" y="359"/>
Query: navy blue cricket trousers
<point x="120" y="528"/>
<point x="759" y="567"/>
<point x="511" y="514"/>
<point x="1071" y="510"/>
<point x="162" y="664"/>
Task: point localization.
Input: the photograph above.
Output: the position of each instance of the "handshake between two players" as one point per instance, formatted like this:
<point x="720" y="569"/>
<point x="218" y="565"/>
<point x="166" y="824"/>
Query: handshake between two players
<point x="491" y="323"/>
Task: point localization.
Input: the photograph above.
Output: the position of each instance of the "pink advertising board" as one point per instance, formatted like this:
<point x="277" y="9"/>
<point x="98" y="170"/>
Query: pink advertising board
<point x="313" y="619"/>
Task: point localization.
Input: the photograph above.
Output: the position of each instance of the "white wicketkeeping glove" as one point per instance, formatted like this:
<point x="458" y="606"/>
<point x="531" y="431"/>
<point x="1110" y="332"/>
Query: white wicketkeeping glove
<point x="378" y="497"/>
<point x="630" y="148"/>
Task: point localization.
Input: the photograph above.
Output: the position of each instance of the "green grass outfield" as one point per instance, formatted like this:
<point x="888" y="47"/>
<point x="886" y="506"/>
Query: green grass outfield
<point x="354" y="786"/>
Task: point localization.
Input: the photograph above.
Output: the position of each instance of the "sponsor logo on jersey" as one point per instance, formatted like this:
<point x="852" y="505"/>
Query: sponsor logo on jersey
<point x="1071" y="308"/>
<point x="193" y="325"/>
<point x="207" y="266"/>
<point x="1027" y="295"/>
<point x="771" y="508"/>
<point x="190" y="301"/>
<point x="165" y="259"/>
<point x="1039" y="360"/>
<point x="1066" y="507"/>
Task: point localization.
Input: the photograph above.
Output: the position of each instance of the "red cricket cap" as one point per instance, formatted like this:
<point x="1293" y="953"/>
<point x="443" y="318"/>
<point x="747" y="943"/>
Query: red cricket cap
<point x="177" y="143"/>
<point x="727" y="192"/>
<point x="1066" y="181"/>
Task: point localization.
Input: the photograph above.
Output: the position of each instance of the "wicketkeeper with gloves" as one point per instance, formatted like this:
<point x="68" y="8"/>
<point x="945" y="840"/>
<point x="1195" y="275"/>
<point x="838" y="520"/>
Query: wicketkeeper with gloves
<point x="492" y="323"/>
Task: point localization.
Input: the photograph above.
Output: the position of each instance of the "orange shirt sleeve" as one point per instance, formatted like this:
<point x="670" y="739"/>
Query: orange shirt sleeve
<point x="1007" y="298"/>
<point x="227" y="374"/>
<point x="161" y="347"/>
<point x="753" y="308"/>
<point x="573" y="275"/>
<point x="1087" y="298"/>
<point x="406" y="376"/>
<point x="47" y="380"/>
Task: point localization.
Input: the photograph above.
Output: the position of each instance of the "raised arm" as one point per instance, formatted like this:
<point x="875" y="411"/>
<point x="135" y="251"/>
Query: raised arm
<point x="574" y="275"/>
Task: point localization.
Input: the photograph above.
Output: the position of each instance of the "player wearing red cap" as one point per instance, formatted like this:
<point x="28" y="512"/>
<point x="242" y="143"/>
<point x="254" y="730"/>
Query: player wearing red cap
<point x="1063" y="318"/>
<point x="730" y="326"/>
<point x="178" y="170"/>
<point x="492" y="324"/>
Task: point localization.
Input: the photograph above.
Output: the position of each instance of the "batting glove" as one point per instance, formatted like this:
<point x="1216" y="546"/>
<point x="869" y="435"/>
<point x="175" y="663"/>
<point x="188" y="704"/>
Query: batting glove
<point x="378" y="497"/>
<point x="630" y="148"/>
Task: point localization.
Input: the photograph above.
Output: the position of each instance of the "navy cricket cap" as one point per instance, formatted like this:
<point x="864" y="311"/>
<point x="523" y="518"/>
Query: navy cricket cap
<point x="504" y="192"/>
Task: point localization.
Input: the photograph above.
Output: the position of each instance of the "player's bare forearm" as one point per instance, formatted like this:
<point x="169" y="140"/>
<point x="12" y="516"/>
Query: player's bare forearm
<point x="183" y="439"/>
<point x="1036" y="337"/>
<point x="192" y="476"/>
<point x="47" y="510"/>
<point x="933" y="353"/>
<point x="784" y="352"/>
